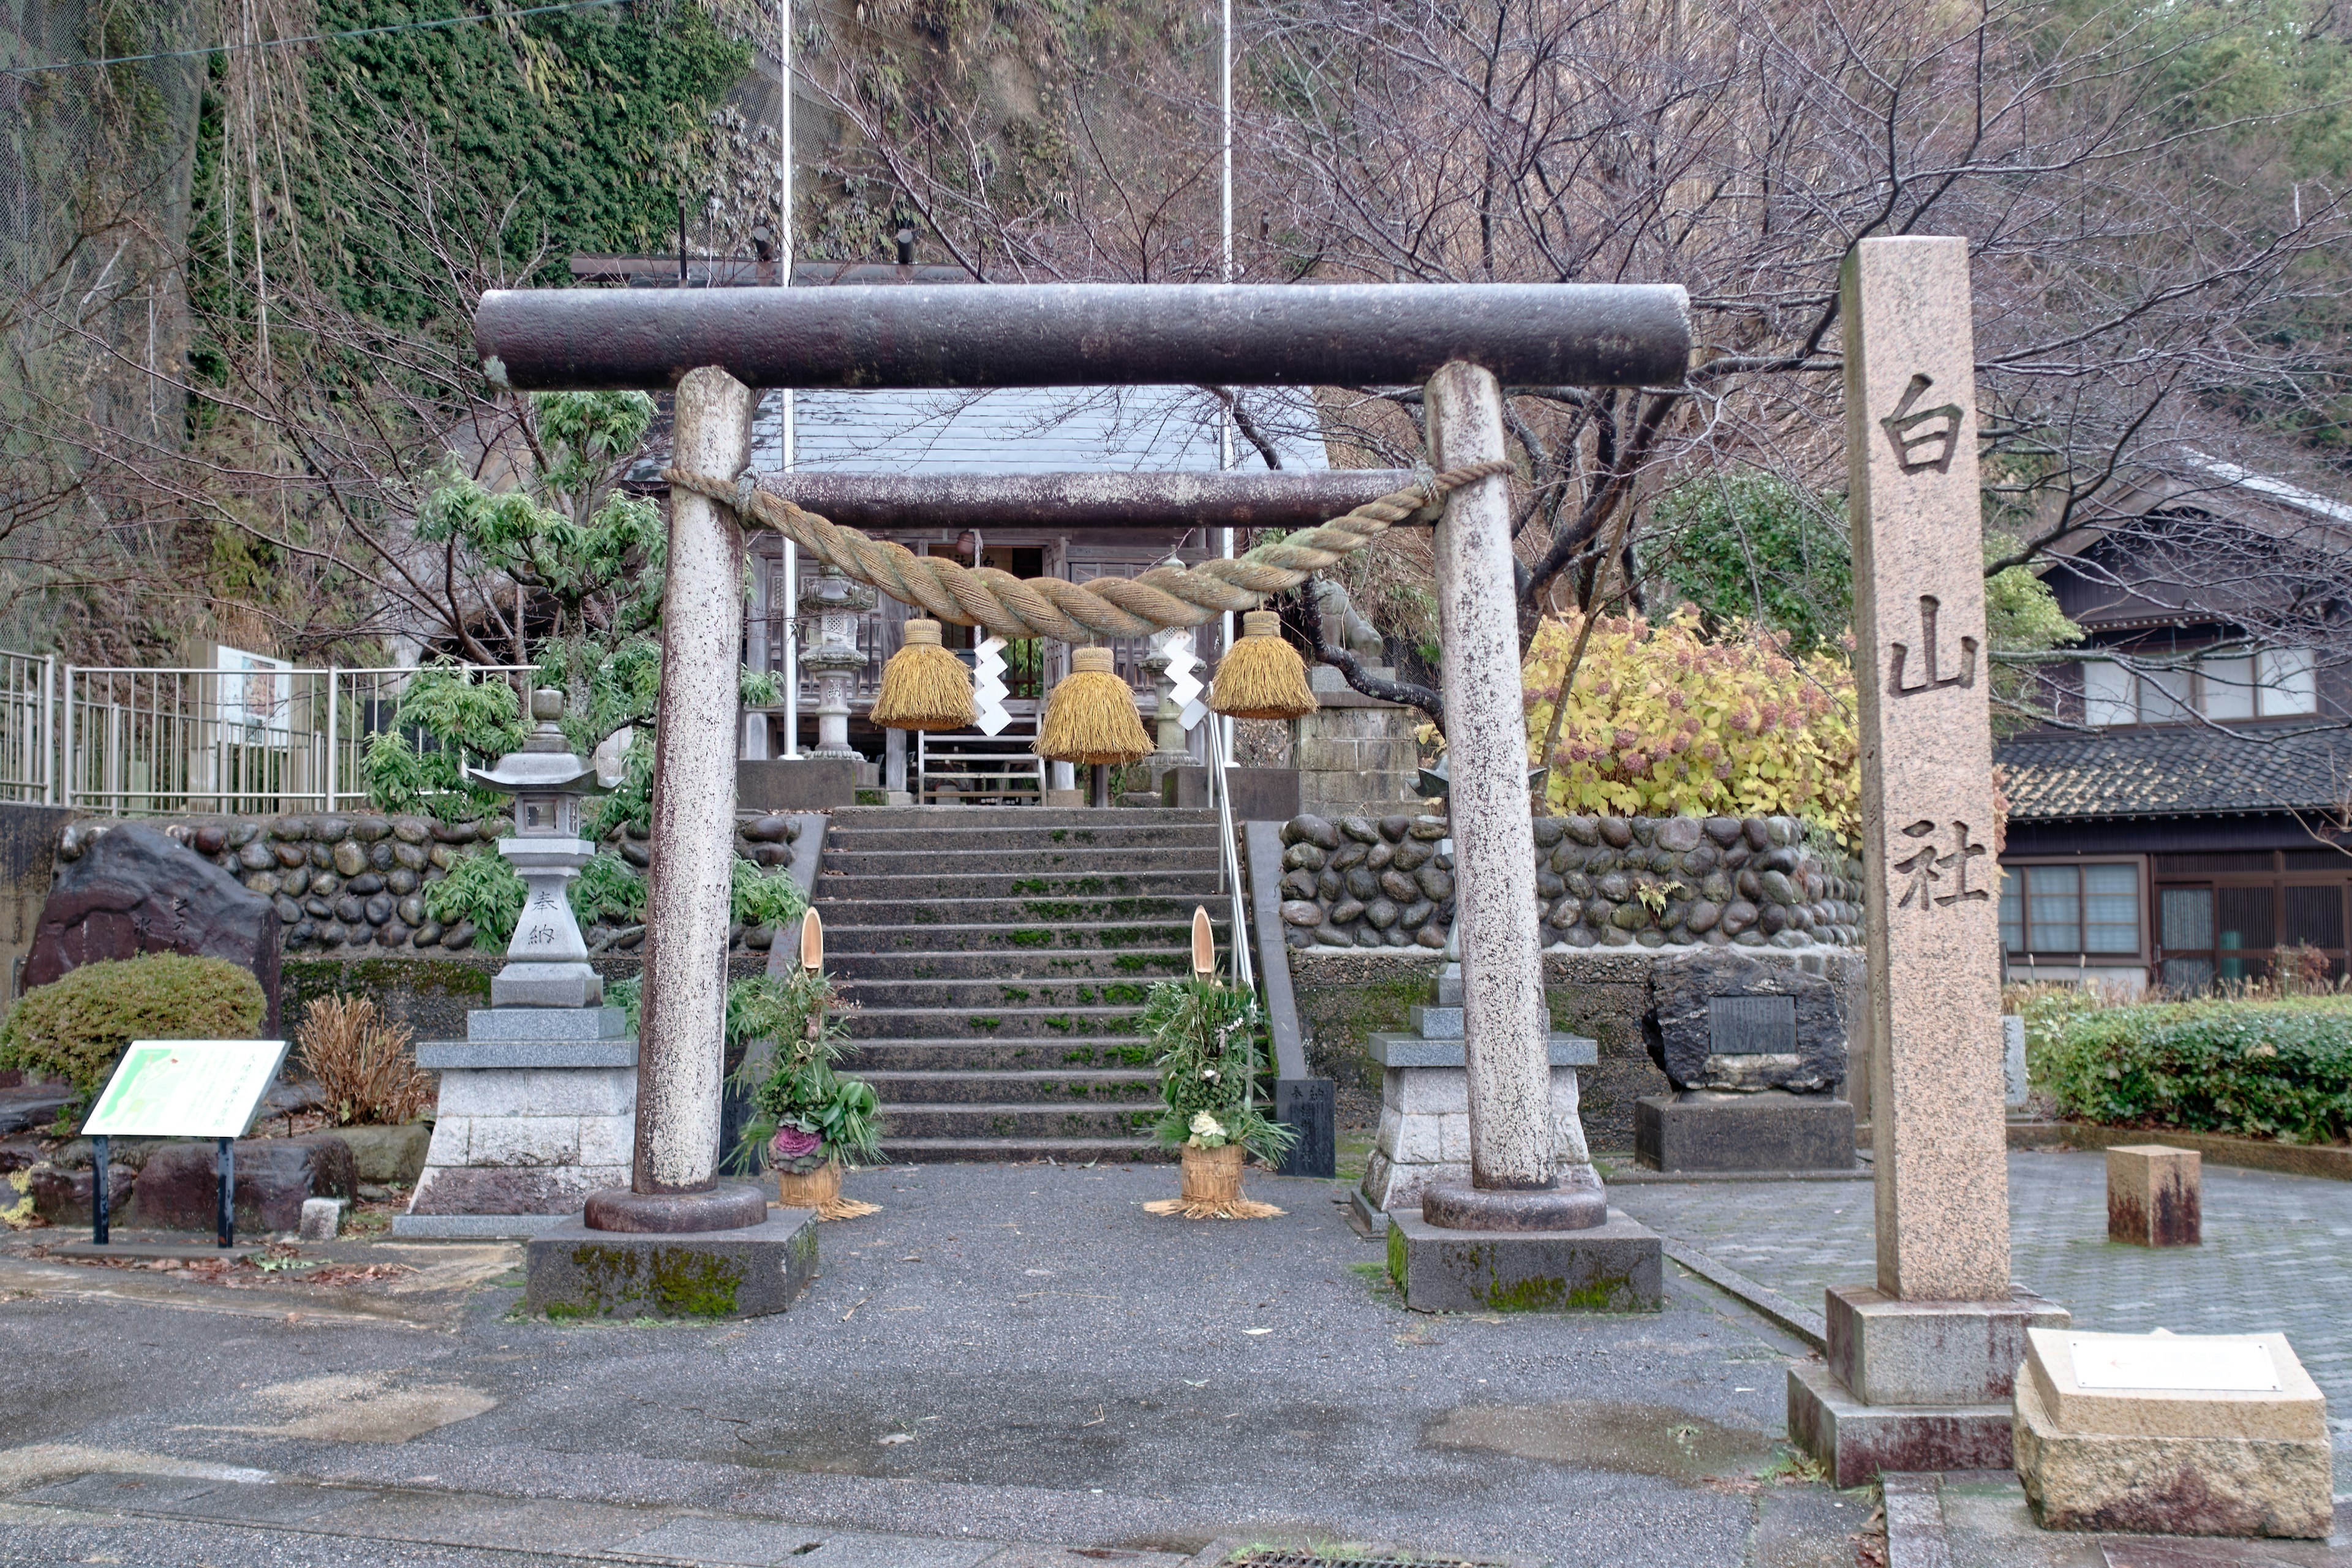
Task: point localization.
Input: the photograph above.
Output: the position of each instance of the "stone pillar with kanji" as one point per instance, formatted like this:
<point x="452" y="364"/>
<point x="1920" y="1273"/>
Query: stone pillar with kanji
<point x="1921" y="1363"/>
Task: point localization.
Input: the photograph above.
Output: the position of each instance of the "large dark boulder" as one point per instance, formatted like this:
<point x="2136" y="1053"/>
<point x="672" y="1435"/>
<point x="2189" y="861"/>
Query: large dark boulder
<point x="179" y="1187"/>
<point x="1780" y="1027"/>
<point x="132" y="890"/>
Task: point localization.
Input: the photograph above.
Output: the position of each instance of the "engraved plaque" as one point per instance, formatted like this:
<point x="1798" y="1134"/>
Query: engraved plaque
<point x="1751" y="1026"/>
<point x="2169" y="1364"/>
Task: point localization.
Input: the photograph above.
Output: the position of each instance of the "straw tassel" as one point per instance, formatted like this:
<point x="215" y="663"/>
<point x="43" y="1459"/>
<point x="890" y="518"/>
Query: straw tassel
<point x="924" y="687"/>
<point x="1261" y="676"/>
<point x="1091" y="718"/>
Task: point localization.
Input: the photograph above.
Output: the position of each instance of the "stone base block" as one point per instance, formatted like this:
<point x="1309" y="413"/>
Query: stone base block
<point x="475" y="1227"/>
<point x="1768" y="1131"/>
<point x="1857" y="1441"/>
<point x="1612" y="1267"/>
<point x="2154" y="1196"/>
<point x="1885" y="1351"/>
<point x="565" y="986"/>
<point x="572" y="1271"/>
<point x="511" y="1190"/>
<point x="790" y="784"/>
<point x="2169" y="1484"/>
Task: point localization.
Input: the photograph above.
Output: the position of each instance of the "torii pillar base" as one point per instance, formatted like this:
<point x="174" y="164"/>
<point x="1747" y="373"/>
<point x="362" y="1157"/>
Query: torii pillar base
<point x="743" y="1271"/>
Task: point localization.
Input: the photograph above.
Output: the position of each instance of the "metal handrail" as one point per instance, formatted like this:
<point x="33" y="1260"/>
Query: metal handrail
<point x="1229" y="867"/>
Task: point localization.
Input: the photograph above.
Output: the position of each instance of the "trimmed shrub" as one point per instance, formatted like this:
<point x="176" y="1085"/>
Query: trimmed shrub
<point x="75" y="1027"/>
<point x="2262" y="1068"/>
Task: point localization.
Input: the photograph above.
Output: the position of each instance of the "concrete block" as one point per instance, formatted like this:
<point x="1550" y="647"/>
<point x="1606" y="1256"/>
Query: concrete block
<point x="1767" y="1130"/>
<point x="546" y="1023"/>
<point x="539" y="1091"/>
<point x="609" y="1140"/>
<point x="2154" y="1196"/>
<point x="2210" y="1452"/>
<point x="323" y="1218"/>
<point x="1454" y="1137"/>
<point x="444" y="1056"/>
<point x="451" y="1137"/>
<point x="803" y="783"/>
<point x="1419" y="1091"/>
<point x="1886" y="1351"/>
<point x="1611" y="1267"/>
<point x="573" y="1272"/>
<point x="1260" y="795"/>
<point x="1857" y="1441"/>
<point x="524" y="1140"/>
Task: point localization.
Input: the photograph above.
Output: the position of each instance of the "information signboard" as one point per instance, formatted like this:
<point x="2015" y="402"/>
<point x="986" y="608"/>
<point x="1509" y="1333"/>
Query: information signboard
<point x="185" y="1089"/>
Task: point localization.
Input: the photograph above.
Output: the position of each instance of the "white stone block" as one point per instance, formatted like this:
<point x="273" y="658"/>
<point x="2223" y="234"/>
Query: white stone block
<point x="525" y="1140"/>
<point x="539" y="1091"/>
<point x="1418" y="1142"/>
<point x="1385" y="1139"/>
<point x="1454" y="1137"/>
<point x="323" y="1218"/>
<point x="608" y="1141"/>
<point x="1441" y="1091"/>
<point x="450" y="1138"/>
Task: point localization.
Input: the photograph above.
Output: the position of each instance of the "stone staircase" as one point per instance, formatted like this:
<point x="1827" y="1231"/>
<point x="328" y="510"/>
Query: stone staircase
<point x="998" y="958"/>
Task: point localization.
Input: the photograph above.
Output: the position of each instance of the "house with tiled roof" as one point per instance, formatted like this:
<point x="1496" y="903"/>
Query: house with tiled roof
<point x="2180" y="825"/>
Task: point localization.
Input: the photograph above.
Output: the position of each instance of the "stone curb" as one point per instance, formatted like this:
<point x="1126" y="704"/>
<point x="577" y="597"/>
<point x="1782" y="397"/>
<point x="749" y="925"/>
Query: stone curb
<point x="2331" y="1162"/>
<point x="1914" y="1521"/>
<point x="1765" y="1302"/>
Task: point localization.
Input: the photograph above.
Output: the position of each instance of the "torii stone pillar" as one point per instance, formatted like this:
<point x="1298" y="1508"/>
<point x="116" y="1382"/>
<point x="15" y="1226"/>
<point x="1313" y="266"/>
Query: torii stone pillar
<point x="1920" y="1368"/>
<point x="1533" y="1227"/>
<point x="678" y="1241"/>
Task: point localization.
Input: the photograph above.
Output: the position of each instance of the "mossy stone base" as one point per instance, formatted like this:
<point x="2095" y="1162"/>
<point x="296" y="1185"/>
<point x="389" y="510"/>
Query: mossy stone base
<point x="1612" y="1267"/>
<point x="572" y="1271"/>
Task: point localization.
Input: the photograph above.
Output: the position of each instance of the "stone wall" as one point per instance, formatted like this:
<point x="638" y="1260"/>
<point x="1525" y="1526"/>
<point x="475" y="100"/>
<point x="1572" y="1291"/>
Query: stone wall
<point x="431" y="992"/>
<point x="351" y="884"/>
<point x="1607" y="996"/>
<point x="1606" y="881"/>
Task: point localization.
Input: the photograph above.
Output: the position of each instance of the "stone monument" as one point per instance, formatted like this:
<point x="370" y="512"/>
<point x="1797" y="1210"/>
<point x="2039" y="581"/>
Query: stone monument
<point x="1756" y="1052"/>
<point x="1921" y="1367"/>
<point x="539" y="1100"/>
<point x="676" y="1241"/>
<point x="1532" y="1227"/>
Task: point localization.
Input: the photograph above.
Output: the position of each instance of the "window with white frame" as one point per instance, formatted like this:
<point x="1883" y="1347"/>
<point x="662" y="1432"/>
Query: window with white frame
<point x="2268" y="683"/>
<point x="2083" y="908"/>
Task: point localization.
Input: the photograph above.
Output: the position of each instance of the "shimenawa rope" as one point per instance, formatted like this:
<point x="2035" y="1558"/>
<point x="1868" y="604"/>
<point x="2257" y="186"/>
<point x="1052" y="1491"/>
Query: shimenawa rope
<point x="1014" y="608"/>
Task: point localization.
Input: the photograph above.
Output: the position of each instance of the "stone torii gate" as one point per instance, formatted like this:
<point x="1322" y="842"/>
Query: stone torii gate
<point x="1463" y="342"/>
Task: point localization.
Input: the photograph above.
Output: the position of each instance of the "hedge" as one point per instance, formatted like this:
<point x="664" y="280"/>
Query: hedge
<point x="75" y="1027"/>
<point x="2277" y="1068"/>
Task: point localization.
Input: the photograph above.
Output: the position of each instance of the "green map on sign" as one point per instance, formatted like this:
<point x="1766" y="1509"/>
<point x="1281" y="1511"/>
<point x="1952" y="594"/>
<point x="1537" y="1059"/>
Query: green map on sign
<point x="186" y="1089"/>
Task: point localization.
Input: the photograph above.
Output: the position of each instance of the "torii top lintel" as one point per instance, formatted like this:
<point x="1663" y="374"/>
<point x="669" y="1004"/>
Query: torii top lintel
<point x="1088" y="334"/>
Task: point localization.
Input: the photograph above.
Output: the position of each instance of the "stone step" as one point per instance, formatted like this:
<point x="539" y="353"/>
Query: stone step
<point x="1003" y="940"/>
<point x="1118" y="1086"/>
<point x="994" y="993"/>
<point x="913" y="884"/>
<point x="1024" y="1121"/>
<point x="1056" y="861"/>
<point x="1123" y="836"/>
<point x="1012" y="911"/>
<point x="998" y="1023"/>
<point x="938" y="818"/>
<point x="1142" y="963"/>
<point x="1005" y="1150"/>
<point x="929" y="1055"/>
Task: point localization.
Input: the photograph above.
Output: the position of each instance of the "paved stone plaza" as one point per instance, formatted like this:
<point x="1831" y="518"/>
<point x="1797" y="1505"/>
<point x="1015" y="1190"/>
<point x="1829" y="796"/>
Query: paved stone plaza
<point x="2276" y="1254"/>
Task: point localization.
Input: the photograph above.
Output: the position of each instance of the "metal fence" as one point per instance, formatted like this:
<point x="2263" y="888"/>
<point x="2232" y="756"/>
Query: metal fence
<point x="145" y="742"/>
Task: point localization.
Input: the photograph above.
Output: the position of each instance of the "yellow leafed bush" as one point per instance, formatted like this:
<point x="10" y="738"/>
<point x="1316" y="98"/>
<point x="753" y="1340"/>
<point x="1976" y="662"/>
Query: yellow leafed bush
<point x="1662" y="721"/>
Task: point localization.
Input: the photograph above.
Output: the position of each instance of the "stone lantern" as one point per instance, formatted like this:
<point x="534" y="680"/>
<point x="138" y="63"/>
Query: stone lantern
<point x="547" y="962"/>
<point x="833" y="605"/>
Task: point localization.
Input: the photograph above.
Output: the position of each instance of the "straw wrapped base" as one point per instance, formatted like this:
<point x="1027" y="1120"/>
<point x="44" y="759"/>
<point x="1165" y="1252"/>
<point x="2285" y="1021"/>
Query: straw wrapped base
<point x="821" y="1190"/>
<point x="1262" y="677"/>
<point x="924" y="687"/>
<point x="1213" y="1188"/>
<point x="1091" y="718"/>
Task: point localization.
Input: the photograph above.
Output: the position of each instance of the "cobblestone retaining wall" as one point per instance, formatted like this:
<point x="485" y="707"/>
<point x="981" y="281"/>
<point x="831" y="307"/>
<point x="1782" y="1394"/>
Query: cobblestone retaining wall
<point x="1605" y="882"/>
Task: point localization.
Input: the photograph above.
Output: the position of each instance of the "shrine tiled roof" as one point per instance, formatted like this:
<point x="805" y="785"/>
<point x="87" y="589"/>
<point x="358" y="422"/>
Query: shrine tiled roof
<point x="2184" y="771"/>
